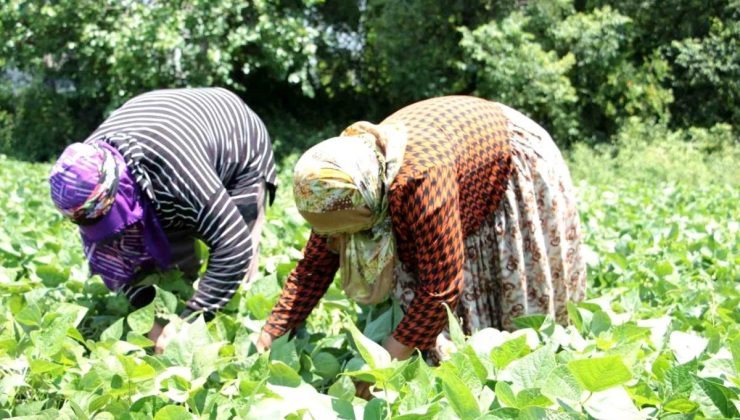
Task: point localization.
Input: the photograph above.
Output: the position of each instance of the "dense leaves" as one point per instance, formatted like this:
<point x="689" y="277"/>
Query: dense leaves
<point x="582" y="68"/>
<point x="658" y="336"/>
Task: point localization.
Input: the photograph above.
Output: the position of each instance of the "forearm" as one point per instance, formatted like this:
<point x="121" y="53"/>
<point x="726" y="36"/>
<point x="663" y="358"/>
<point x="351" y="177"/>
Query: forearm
<point x="305" y="286"/>
<point x="227" y="236"/>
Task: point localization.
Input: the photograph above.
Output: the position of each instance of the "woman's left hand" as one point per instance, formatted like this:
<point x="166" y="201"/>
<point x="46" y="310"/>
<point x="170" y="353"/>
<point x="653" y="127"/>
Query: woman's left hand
<point x="362" y="390"/>
<point x="397" y="350"/>
<point x="164" y="339"/>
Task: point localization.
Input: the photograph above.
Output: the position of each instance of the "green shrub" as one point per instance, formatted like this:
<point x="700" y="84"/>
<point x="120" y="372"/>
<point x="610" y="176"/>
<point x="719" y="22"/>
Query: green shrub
<point x="6" y="131"/>
<point x="648" y="152"/>
<point x="42" y="124"/>
<point x="514" y="69"/>
<point x="611" y="85"/>
<point x="707" y="72"/>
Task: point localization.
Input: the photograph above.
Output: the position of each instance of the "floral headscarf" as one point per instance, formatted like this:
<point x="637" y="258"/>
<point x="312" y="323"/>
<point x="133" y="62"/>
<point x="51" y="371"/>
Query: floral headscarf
<point x="121" y="235"/>
<point x="341" y="188"/>
<point x="87" y="192"/>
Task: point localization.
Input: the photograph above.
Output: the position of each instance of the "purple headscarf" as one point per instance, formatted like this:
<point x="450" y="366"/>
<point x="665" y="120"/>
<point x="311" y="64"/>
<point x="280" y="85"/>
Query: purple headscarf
<point x="91" y="185"/>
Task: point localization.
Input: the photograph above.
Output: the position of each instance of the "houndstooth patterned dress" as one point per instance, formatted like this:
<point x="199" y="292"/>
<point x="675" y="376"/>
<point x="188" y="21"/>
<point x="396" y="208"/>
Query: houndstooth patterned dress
<point x="485" y="221"/>
<point x="525" y="257"/>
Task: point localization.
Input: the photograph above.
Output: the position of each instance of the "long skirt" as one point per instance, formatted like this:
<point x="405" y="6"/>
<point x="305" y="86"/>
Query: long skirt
<point x="526" y="257"/>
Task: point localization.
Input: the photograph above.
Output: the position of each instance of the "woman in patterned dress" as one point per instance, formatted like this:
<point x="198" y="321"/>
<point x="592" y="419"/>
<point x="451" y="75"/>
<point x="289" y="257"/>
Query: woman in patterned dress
<point x="453" y="200"/>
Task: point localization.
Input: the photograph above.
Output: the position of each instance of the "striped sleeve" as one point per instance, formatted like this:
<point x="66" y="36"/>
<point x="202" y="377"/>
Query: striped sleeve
<point x="224" y="230"/>
<point x="139" y="296"/>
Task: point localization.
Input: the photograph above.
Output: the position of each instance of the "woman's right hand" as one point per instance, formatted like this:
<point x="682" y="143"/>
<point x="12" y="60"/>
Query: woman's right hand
<point x="264" y="342"/>
<point x="155" y="332"/>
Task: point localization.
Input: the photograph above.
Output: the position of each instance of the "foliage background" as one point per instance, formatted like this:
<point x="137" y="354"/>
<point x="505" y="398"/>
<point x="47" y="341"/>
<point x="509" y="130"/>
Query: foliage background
<point x="642" y="96"/>
<point x="659" y="336"/>
<point x="583" y="68"/>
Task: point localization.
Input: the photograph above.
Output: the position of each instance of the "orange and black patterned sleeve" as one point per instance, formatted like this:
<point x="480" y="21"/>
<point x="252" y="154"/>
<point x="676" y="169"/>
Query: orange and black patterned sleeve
<point x="305" y="285"/>
<point x="433" y="219"/>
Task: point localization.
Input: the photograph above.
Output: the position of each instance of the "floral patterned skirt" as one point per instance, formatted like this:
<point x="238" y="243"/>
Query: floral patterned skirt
<point x="526" y="258"/>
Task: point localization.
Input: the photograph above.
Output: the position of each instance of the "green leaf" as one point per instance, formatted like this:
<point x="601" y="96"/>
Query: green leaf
<point x="575" y="316"/>
<point x="259" y="306"/>
<point x="113" y="332"/>
<point x="205" y="359"/>
<point x="735" y="349"/>
<point x="600" y="323"/>
<point x="116" y="381"/>
<point x="562" y="384"/>
<point x="374" y="354"/>
<point x="629" y="332"/>
<point x="343" y="388"/>
<point x="376" y="409"/>
<point x="141" y="320"/>
<point x="532" y="370"/>
<point x="30" y="316"/>
<point x="680" y="405"/>
<point x="189" y="337"/>
<point x="325" y="365"/>
<point x="51" y="275"/>
<point x="142" y="372"/>
<point x="531" y="397"/>
<point x="539" y="413"/>
<point x="529" y="321"/>
<point x="173" y="412"/>
<point x="456" y="332"/>
<point x="282" y="374"/>
<point x="419" y="380"/>
<point x="509" y="351"/>
<point x="506" y="413"/>
<point x="39" y="366"/>
<point x="373" y="375"/>
<point x="427" y="411"/>
<point x="74" y="313"/>
<point x="475" y="363"/>
<point x="664" y="268"/>
<point x="379" y="327"/>
<point x="598" y="374"/>
<point x="50" y="340"/>
<point x="505" y="395"/>
<point x="661" y="365"/>
<point x="680" y="379"/>
<point x="343" y="409"/>
<point x="138" y="339"/>
<point x="457" y="393"/>
<point x="643" y="395"/>
<point x="165" y="302"/>
<point x="718" y="366"/>
<point x="283" y="349"/>
<point x="468" y="369"/>
<point x="714" y="399"/>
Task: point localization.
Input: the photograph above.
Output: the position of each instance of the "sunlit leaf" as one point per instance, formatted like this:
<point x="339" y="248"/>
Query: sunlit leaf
<point x="600" y="373"/>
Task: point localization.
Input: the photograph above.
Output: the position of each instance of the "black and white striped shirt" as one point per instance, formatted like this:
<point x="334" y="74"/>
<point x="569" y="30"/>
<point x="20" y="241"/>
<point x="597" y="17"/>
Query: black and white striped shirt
<point x="195" y="153"/>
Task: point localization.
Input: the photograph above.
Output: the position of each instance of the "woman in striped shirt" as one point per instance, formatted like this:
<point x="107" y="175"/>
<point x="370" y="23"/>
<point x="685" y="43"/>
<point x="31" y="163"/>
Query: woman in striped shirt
<point x="168" y="167"/>
<point x="453" y="200"/>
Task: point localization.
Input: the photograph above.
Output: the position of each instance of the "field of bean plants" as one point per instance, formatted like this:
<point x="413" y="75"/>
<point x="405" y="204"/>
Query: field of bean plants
<point x="658" y="336"/>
